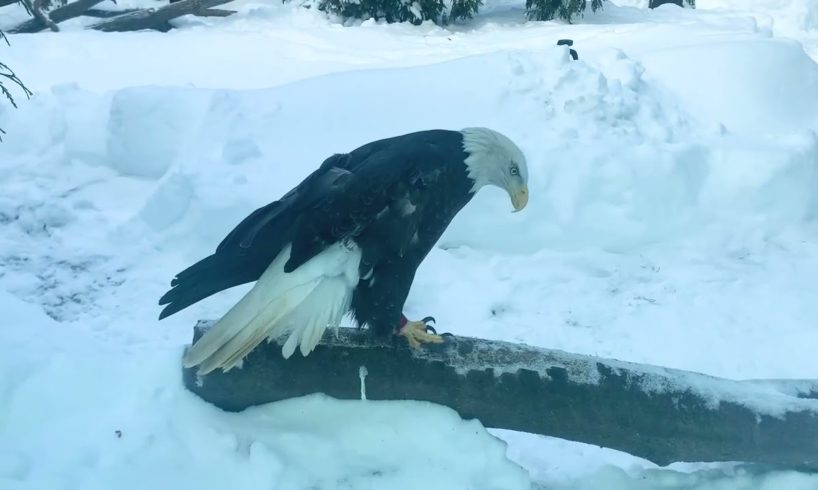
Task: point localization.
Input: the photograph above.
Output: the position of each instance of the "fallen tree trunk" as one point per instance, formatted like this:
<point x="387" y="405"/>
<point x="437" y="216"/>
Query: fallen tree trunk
<point x="127" y="20"/>
<point x="107" y="14"/>
<point x="659" y="414"/>
<point x="158" y="19"/>
<point x="215" y="13"/>
<point x="35" y="8"/>
<point x="68" y="11"/>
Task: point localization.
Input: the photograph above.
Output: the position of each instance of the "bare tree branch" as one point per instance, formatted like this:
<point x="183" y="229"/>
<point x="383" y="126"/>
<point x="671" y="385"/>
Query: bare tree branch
<point x="158" y="19"/>
<point x="3" y="3"/>
<point x="68" y="11"/>
<point x="127" y="20"/>
<point x="107" y="14"/>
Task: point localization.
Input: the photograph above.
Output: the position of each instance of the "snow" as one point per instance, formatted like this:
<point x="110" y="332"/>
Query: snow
<point x="77" y="414"/>
<point x="672" y="221"/>
<point x="731" y="91"/>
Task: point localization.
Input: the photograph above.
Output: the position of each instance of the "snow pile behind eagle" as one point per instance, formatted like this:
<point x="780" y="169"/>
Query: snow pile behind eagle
<point x="672" y="221"/>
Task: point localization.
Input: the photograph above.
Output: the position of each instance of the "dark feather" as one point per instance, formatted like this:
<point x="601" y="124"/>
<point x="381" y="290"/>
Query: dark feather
<point x="394" y="197"/>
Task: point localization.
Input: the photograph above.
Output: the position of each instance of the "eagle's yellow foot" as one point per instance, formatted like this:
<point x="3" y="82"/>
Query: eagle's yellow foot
<point x="416" y="333"/>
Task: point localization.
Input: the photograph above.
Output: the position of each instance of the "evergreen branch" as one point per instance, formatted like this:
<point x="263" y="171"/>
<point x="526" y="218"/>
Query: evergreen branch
<point x="7" y="75"/>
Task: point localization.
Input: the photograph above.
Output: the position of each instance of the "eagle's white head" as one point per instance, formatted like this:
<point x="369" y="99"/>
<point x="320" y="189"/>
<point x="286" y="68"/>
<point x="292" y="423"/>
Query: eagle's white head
<point x="495" y="159"/>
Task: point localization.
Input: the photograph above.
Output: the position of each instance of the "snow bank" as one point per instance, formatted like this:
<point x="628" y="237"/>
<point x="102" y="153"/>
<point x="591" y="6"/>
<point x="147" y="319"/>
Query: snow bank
<point x="613" y="478"/>
<point x="77" y="412"/>
<point x="801" y="14"/>
<point x="796" y="20"/>
<point x="561" y="465"/>
<point x="762" y="87"/>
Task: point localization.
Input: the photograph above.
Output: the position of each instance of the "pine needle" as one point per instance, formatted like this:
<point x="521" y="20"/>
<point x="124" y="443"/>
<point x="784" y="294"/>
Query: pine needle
<point x="7" y="76"/>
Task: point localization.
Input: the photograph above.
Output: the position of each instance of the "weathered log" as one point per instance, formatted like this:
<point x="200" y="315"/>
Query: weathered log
<point x="156" y="19"/>
<point x="215" y="13"/>
<point x="133" y="21"/>
<point x="107" y="14"/>
<point x="663" y="415"/>
<point x="68" y="11"/>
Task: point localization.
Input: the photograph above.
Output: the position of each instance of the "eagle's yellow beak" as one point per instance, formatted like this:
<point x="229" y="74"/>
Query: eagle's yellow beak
<point x="519" y="198"/>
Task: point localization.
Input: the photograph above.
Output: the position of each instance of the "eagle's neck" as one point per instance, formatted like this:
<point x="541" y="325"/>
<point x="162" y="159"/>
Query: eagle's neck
<point x="480" y="144"/>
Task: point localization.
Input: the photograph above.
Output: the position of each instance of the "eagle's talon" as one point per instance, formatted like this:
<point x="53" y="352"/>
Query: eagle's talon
<point x="426" y="321"/>
<point x="417" y="333"/>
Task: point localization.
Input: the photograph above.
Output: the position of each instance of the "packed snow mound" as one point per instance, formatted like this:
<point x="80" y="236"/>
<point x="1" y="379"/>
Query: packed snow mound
<point x="801" y="14"/>
<point x="765" y="86"/>
<point x="594" y="468"/>
<point x="66" y="422"/>
<point x="648" y="174"/>
<point x="613" y="478"/>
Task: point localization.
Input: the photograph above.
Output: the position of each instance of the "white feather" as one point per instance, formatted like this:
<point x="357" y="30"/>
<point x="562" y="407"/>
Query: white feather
<point x="301" y="303"/>
<point x="489" y="153"/>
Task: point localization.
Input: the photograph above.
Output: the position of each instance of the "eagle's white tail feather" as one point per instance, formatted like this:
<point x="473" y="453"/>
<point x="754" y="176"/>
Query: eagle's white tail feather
<point x="310" y="324"/>
<point x="305" y="301"/>
<point x="264" y="325"/>
<point x="231" y="324"/>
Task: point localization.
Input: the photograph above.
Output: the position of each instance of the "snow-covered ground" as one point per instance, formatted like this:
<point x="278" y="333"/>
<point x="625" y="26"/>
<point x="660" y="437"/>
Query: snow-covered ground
<point x="672" y="221"/>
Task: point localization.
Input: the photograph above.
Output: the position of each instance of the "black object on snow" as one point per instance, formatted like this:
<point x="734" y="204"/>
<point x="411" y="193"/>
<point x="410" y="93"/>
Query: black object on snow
<point x="569" y="42"/>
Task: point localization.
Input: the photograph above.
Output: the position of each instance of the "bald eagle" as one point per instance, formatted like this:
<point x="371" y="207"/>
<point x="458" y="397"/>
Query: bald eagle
<point x="346" y="240"/>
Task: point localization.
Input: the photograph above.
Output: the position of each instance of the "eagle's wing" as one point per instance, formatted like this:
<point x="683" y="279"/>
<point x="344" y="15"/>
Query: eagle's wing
<point x="338" y="200"/>
<point x="245" y="236"/>
<point x="369" y="194"/>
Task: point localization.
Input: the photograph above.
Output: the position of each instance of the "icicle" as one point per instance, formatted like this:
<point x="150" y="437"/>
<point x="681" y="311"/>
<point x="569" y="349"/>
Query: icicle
<point x="362" y="372"/>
